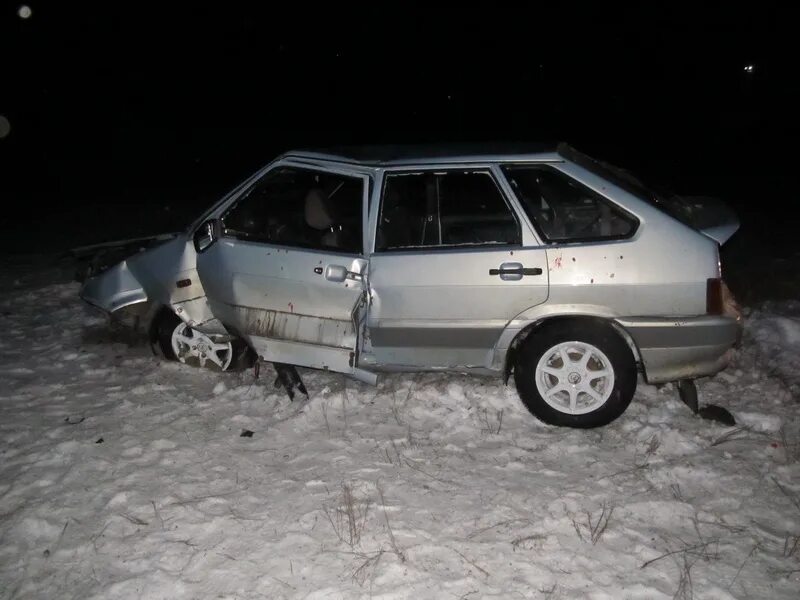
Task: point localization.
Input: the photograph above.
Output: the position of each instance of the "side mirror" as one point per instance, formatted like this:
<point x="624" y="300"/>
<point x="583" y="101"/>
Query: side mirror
<point x="206" y="235"/>
<point x="336" y="273"/>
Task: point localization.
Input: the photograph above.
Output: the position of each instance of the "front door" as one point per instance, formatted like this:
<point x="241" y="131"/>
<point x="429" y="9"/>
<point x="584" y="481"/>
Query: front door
<point x="286" y="272"/>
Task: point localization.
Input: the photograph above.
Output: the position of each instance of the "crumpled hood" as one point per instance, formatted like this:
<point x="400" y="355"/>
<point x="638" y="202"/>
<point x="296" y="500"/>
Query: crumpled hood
<point x="149" y="275"/>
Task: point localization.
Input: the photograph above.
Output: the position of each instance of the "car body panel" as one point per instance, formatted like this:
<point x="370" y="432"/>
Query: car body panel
<point x="661" y="270"/>
<point x="448" y="302"/>
<point x="673" y="349"/>
<point x="151" y="277"/>
<point x="115" y="289"/>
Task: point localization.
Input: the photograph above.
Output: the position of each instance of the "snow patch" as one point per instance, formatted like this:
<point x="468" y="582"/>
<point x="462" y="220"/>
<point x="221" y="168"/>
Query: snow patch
<point x="759" y="421"/>
<point x="452" y="488"/>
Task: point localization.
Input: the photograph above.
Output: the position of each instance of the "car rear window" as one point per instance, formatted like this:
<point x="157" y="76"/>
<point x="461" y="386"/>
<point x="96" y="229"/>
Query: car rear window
<point x="564" y="210"/>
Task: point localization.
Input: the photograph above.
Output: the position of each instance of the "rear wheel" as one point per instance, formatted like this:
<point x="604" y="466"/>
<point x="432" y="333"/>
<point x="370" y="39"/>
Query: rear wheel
<point x="575" y="374"/>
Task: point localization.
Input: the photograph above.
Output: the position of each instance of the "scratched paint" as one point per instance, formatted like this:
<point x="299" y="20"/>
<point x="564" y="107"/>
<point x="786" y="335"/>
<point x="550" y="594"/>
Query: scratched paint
<point x="297" y="328"/>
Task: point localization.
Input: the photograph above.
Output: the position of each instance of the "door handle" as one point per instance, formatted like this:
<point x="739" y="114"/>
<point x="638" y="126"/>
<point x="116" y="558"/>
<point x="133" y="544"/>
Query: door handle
<point x="514" y="271"/>
<point x="517" y="271"/>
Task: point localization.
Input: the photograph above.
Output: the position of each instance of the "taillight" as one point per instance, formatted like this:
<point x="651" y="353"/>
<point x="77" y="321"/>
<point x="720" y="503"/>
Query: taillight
<point x="714" y="303"/>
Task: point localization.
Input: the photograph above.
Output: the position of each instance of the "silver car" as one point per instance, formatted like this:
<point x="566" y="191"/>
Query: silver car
<point x="536" y="261"/>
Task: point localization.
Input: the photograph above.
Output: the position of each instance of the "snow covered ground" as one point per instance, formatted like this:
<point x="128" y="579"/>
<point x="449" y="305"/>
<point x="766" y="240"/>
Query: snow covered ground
<point x="122" y="476"/>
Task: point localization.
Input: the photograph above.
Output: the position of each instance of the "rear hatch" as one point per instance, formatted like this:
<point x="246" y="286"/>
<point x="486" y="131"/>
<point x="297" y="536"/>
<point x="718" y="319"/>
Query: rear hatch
<point x="708" y="215"/>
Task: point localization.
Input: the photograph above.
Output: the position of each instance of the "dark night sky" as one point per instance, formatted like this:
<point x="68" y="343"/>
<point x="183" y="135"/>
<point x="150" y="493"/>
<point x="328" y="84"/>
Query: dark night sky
<point x="157" y="107"/>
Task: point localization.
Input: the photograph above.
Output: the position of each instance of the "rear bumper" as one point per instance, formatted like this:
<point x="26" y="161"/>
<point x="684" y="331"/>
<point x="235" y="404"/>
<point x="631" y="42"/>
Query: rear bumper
<point x="684" y="348"/>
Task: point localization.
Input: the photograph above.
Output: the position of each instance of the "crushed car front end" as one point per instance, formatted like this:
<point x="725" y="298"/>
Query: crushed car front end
<point x="163" y="276"/>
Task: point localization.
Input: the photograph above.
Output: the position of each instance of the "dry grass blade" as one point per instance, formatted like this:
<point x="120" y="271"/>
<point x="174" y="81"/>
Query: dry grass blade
<point x="791" y="450"/>
<point x="696" y="549"/>
<point x="685" y="589"/>
<point x="536" y="537"/>
<point x="744" y="562"/>
<point x="637" y="467"/>
<point x="411" y="465"/>
<point x="593" y="529"/>
<point x="793" y="497"/>
<point x="395" y="409"/>
<point x="325" y="416"/>
<point x="370" y="562"/>
<point x="492" y="428"/>
<point x="392" y="540"/>
<point x="500" y="524"/>
<point x="598" y="528"/>
<point x="483" y="571"/>
<point x="132" y="519"/>
<point x="730" y="436"/>
<point x="348" y="519"/>
<point x="790" y="545"/>
<point x="676" y="492"/>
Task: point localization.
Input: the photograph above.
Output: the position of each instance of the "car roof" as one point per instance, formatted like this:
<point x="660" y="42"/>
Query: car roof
<point x="420" y="154"/>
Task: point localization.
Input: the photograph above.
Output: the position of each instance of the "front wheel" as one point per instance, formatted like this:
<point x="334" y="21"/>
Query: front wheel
<point x="178" y="341"/>
<point x="575" y="374"/>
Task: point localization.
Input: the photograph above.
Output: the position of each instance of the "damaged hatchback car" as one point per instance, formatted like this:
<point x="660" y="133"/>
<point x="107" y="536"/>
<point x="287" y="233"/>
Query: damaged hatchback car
<point x="538" y="262"/>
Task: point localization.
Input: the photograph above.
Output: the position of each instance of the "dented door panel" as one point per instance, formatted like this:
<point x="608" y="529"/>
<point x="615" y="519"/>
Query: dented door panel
<point x="292" y="327"/>
<point x="291" y="304"/>
<point x="279" y="300"/>
<point x="266" y="291"/>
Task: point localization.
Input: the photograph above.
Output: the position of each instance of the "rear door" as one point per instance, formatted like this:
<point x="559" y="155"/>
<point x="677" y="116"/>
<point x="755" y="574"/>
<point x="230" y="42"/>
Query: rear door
<point x="286" y="273"/>
<point x="452" y="265"/>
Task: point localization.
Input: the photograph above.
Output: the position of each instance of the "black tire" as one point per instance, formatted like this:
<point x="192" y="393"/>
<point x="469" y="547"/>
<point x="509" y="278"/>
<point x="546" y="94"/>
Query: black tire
<point x="605" y="339"/>
<point x="165" y="324"/>
<point x="243" y="356"/>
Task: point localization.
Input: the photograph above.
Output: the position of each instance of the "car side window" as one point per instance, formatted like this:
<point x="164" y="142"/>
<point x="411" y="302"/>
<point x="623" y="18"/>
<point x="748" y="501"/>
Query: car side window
<point x="563" y="209"/>
<point x="451" y="208"/>
<point x="300" y="207"/>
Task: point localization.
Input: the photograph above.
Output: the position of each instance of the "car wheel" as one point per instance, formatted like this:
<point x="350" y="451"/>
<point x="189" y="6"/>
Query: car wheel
<point x="575" y="374"/>
<point x="178" y="341"/>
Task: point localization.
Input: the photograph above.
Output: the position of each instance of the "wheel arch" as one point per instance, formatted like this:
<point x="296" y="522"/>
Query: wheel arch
<point x="552" y="320"/>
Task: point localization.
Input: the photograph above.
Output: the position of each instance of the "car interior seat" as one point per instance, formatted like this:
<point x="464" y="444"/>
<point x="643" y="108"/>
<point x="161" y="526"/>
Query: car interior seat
<point x="395" y="227"/>
<point x="319" y="216"/>
<point x="552" y="214"/>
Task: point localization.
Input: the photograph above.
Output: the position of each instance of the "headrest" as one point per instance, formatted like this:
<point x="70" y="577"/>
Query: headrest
<point x="317" y="214"/>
